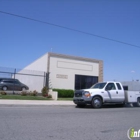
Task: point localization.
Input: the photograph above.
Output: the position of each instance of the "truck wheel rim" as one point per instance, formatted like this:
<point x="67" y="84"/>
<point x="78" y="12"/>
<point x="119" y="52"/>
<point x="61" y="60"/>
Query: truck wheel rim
<point x="97" y="103"/>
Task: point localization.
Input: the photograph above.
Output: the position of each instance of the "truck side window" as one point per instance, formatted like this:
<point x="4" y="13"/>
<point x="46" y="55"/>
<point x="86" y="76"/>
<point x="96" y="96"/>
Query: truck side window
<point x="125" y="87"/>
<point x="110" y="86"/>
<point x="118" y="86"/>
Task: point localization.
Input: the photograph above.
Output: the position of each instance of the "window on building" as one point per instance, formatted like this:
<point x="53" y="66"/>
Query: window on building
<point x="83" y="82"/>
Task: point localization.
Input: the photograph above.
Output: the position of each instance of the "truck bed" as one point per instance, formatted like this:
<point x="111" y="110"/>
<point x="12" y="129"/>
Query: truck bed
<point x="131" y="96"/>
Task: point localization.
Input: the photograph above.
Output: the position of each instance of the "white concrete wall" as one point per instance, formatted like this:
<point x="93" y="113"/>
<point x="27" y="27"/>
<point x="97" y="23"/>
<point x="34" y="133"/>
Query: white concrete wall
<point x="40" y="64"/>
<point x="62" y="71"/>
<point x="33" y="82"/>
<point x="38" y="67"/>
<point x="54" y="94"/>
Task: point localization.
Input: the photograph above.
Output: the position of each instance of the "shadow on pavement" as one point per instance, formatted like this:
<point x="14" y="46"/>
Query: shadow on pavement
<point x="108" y="106"/>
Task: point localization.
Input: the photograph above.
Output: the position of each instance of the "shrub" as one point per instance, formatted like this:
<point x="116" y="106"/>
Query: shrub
<point x="66" y="93"/>
<point x="34" y="93"/>
<point x="3" y="93"/>
<point x="24" y="93"/>
<point x="44" y="91"/>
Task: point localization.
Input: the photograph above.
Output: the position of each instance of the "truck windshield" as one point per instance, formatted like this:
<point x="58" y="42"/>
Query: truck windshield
<point x="98" y="86"/>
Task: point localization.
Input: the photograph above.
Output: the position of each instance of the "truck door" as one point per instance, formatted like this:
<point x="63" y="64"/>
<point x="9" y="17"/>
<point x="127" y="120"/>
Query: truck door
<point x="111" y="92"/>
<point x="120" y="91"/>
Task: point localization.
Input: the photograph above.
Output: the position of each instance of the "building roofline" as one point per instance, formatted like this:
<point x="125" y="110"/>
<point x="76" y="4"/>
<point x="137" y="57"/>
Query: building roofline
<point x="73" y="57"/>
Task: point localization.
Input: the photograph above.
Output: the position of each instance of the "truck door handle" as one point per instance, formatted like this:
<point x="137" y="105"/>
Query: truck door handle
<point x="117" y="92"/>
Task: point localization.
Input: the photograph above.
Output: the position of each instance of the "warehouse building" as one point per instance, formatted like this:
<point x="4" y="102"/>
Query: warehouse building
<point x="66" y="72"/>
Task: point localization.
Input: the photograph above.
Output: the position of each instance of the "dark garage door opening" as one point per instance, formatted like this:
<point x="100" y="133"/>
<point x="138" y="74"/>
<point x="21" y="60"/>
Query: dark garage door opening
<point x="84" y="82"/>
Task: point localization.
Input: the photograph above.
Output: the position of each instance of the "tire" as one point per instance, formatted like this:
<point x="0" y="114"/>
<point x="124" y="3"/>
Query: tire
<point x="4" y="88"/>
<point x="97" y="102"/>
<point x="138" y="102"/>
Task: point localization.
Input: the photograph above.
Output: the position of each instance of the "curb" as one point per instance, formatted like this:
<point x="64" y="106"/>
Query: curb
<point x="35" y="103"/>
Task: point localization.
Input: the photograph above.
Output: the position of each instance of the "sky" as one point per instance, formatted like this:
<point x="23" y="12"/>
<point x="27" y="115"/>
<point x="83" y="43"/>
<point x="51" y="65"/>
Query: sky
<point x="22" y="41"/>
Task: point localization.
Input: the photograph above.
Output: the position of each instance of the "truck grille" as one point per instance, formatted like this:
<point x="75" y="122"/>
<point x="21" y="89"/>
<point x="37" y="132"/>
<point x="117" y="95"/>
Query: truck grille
<point x="78" y="93"/>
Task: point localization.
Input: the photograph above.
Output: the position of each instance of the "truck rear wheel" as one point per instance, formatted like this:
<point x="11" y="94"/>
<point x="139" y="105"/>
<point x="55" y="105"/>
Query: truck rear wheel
<point x="138" y="102"/>
<point x="97" y="102"/>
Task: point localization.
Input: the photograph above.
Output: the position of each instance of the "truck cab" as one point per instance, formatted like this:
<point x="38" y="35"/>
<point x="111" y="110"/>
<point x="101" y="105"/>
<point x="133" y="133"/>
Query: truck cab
<point x="101" y="93"/>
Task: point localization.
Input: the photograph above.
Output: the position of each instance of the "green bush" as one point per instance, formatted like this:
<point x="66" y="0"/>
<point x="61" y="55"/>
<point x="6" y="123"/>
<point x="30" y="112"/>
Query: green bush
<point x="65" y="93"/>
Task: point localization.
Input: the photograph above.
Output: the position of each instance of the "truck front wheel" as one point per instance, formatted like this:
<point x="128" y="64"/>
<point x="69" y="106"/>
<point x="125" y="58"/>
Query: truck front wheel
<point x="97" y="102"/>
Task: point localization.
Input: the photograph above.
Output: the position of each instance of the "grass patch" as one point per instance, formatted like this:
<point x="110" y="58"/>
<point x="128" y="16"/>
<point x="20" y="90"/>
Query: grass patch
<point x="19" y="97"/>
<point x="28" y="97"/>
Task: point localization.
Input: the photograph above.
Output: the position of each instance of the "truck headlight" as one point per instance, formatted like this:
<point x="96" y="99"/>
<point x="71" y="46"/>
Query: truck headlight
<point x="86" y="93"/>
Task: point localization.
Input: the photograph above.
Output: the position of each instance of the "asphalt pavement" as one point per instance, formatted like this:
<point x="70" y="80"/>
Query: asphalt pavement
<point x="67" y="123"/>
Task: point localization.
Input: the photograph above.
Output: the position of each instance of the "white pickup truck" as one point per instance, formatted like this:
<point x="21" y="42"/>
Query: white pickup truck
<point x="106" y="93"/>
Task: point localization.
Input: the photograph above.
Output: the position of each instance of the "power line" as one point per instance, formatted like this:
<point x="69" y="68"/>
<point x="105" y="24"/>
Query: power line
<point x="36" y="20"/>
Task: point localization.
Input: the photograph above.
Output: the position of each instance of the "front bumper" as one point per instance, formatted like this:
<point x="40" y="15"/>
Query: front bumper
<point x="82" y="101"/>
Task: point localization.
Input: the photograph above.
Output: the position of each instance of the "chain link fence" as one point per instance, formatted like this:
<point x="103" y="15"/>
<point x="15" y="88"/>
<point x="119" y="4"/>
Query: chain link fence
<point x="35" y="80"/>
